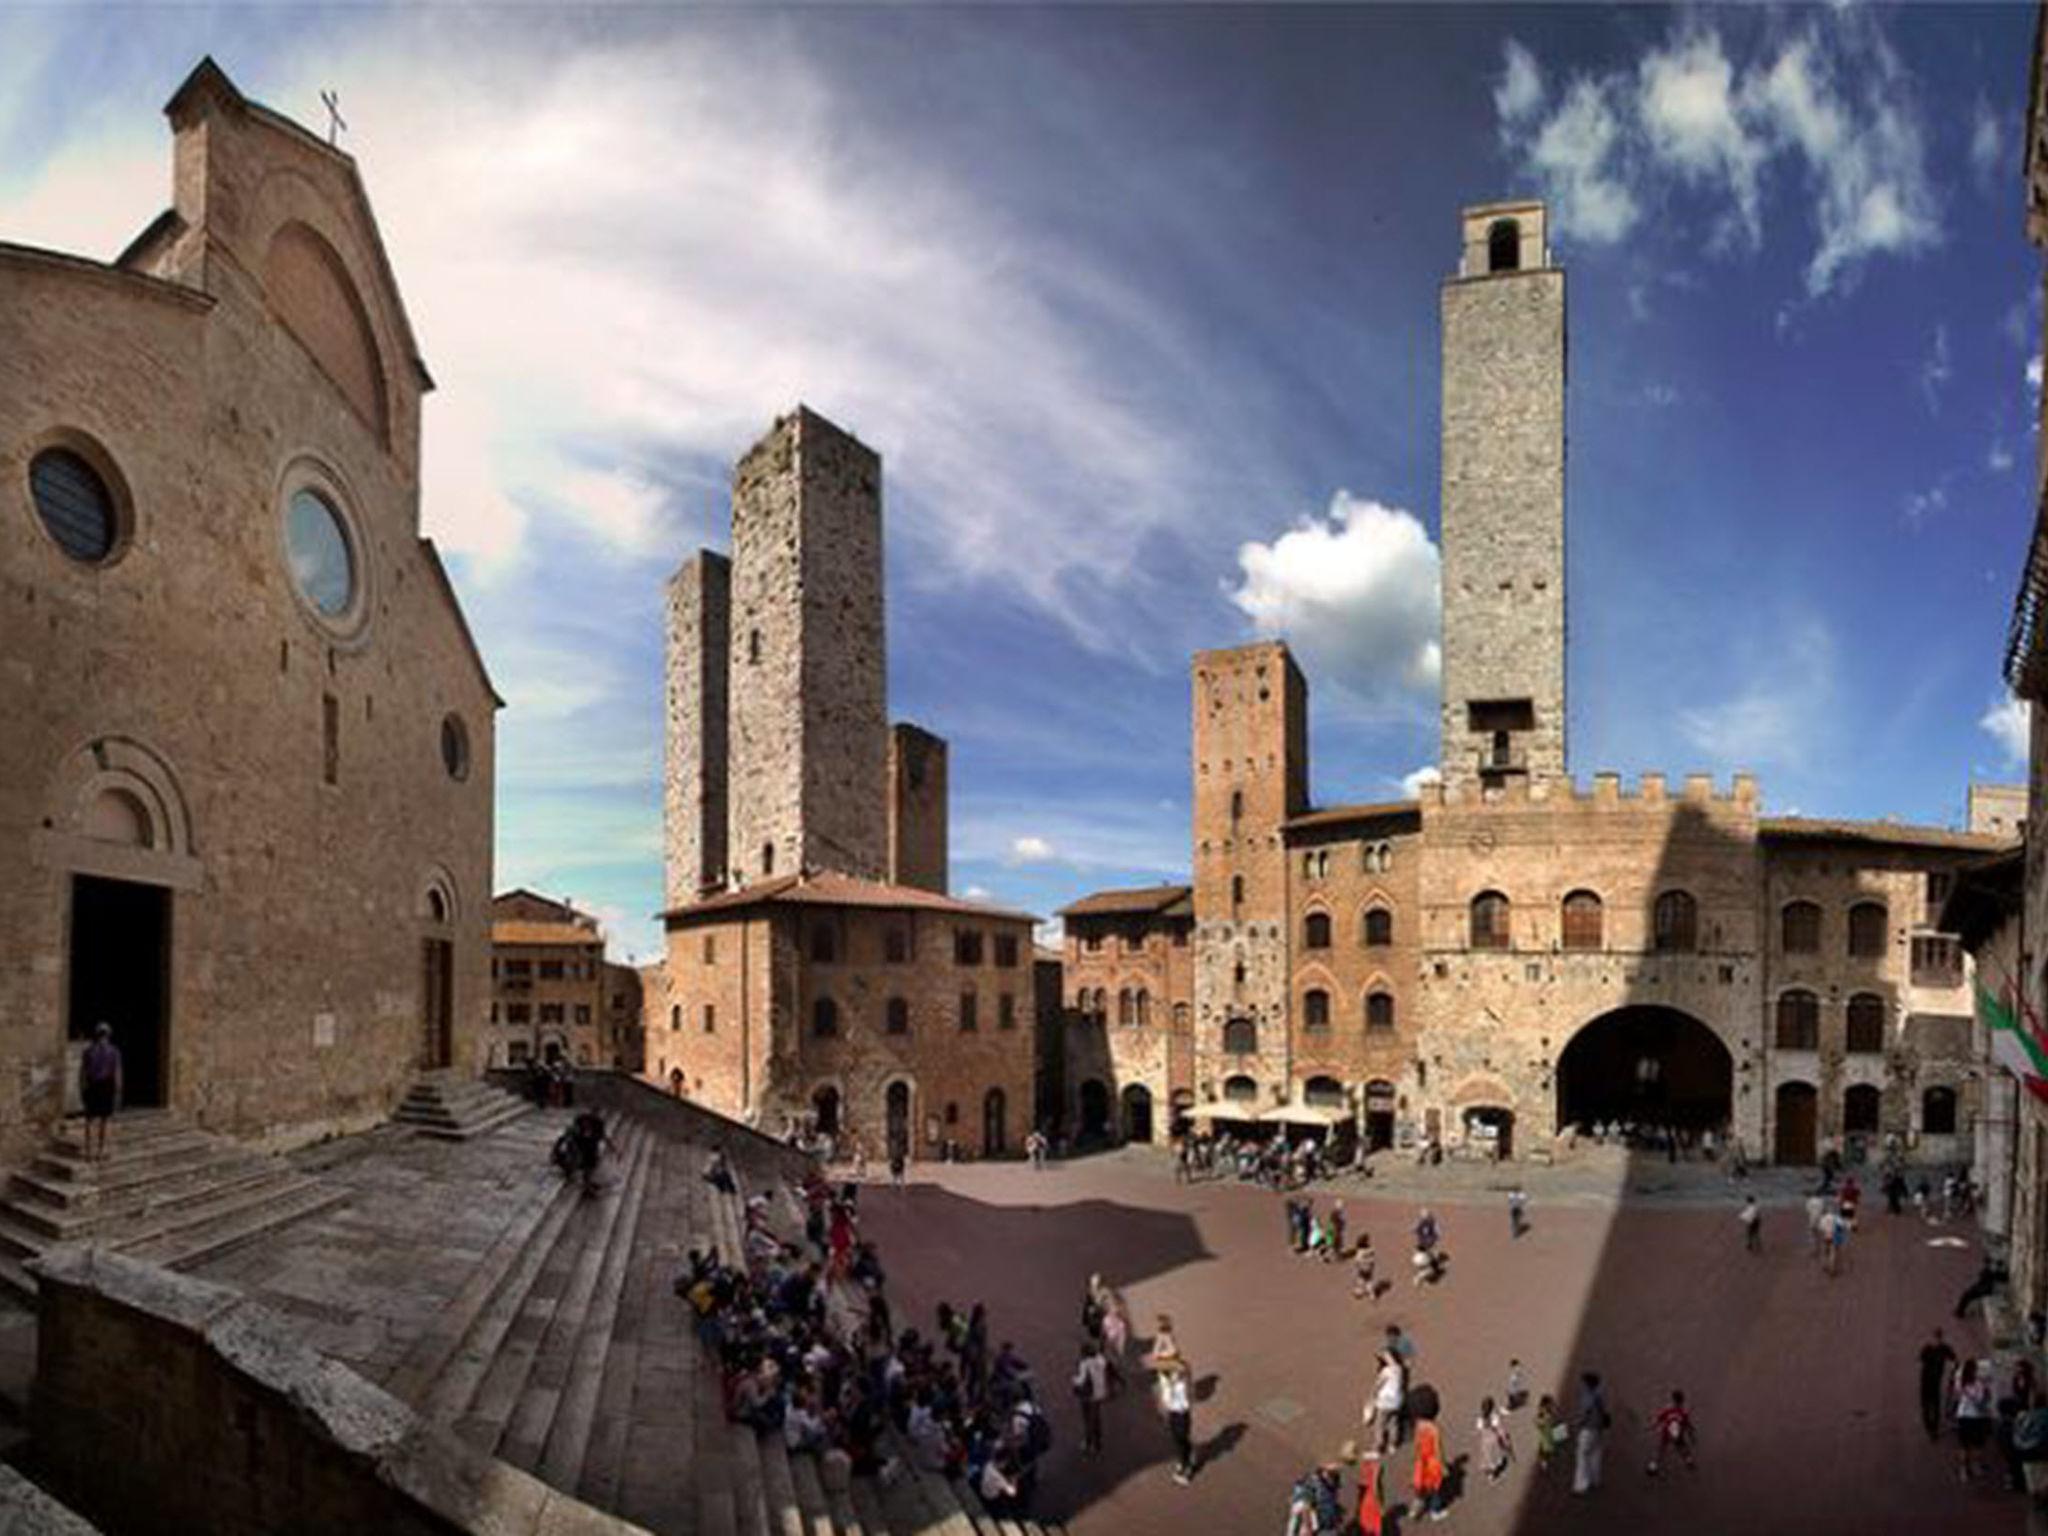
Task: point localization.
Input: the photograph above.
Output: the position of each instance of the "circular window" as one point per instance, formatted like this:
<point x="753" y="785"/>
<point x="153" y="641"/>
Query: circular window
<point x="76" y="508"/>
<point x="317" y="542"/>
<point x="455" y="747"/>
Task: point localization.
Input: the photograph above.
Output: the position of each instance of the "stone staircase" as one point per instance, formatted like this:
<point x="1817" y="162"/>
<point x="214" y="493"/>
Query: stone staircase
<point x="568" y="1354"/>
<point x="166" y="1192"/>
<point x="456" y="1108"/>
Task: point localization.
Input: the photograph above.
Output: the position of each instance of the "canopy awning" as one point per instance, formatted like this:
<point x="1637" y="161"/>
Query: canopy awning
<point x="1224" y="1111"/>
<point x="1305" y="1114"/>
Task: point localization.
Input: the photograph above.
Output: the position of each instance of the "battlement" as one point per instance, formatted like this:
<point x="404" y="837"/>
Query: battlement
<point x="1652" y="789"/>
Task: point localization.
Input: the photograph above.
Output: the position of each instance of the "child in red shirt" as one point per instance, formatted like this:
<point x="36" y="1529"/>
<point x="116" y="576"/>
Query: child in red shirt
<point x="1674" y="1432"/>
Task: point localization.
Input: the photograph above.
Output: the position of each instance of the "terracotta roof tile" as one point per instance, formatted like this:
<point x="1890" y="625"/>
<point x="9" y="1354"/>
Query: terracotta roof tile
<point x="828" y="888"/>
<point x="1820" y="829"/>
<point x="1338" y="815"/>
<point x="1128" y="902"/>
<point x="516" y="932"/>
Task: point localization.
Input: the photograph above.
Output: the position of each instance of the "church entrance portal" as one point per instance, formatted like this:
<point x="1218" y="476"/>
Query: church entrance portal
<point x="437" y="1004"/>
<point x="1798" y="1112"/>
<point x="1647" y="1065"/>
<point x="896" y="1116"/>
<point x="1137" y="1112"/>
<point x="120" y="968"/>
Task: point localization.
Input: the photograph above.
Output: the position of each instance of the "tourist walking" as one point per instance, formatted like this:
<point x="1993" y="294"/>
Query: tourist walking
<point x="1496" y="1447"/>
<point x="1518" y="1387"/>
<point x="1364" y="1283"/>
<point x="1034" y="1148"/>
<point x="1428" y="1260"/>
<point x="897" y="1160"/>
<point x="1974" y="1413"/>
<point x="1672" y="1434"/>
<point x="1371" y="1507"/>
<point x="1383" y="1409"/>
<point x="1091" y="1387"/>
<point x="1591" y="1426"/>
<point x="1816" y="1209"/>
<point x="1518" y="1220"/>
<point x="1176" y="1406"/>
<point x="1752" y="1219"/>
<point x="1937" y="1359"/>
<point x="1551" y="1433"/>
<point x="1429" y="1468"/>
<point x="99" y="1085"/>
<point x="1165" y="1348"/>
<point x="1835" y="1238"/>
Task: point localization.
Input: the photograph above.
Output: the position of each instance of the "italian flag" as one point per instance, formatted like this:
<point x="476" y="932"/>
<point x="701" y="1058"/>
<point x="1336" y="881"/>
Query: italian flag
<point x="2016" y="1044"/>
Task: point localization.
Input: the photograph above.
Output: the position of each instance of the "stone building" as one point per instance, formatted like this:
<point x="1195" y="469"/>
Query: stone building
<point x="1516" y="953"/>
<point x="816" y="970"/>
<point x="625" y="1034"/>
<point x="248" y="767"/>
<point x="1128" y="971"/>
<point x="549" y="987"/>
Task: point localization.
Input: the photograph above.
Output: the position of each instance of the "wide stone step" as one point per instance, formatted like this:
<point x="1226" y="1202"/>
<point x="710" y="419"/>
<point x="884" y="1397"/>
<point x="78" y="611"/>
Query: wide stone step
<point x="207" y="1231"/>
<point x="105" y="1185"/>
<point x="483" y="1125"/>
<point x="778" y="1487"/>
<point x="60" y="1160"/>
<point x="811" y="1502"/>
<point x="145" y="1202"/>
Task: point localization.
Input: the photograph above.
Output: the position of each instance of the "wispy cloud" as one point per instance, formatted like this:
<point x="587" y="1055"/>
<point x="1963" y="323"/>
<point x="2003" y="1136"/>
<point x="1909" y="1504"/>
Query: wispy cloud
<point x="1936" y="370"/>
<point x="1987" y="145"/>
<point x="1780" y="718"/>
<point x="2009" y="722"/>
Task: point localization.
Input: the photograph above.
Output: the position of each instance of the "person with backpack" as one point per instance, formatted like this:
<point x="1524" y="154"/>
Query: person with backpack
<point x="1091" y="1387"/>
<point x="1673" y="1432"/>
<point x="1591" y="1424"/>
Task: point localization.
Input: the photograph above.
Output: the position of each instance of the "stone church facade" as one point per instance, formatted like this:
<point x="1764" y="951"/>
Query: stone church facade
<point x="246" y="787"/>
<point x="817" y="971"/>
<point x="1515" y="953"/>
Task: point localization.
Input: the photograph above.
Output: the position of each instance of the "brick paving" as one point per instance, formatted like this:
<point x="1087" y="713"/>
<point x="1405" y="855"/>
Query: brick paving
<point x="1804" y="1388"/>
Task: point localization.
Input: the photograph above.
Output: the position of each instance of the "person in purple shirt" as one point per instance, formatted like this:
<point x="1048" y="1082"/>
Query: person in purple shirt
<point x="99" y="1085"/>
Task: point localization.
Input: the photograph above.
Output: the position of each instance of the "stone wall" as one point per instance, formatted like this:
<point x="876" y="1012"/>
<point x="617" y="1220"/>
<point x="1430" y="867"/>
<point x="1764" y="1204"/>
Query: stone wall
<point x="917" y="808"/>
<point x="694" y="787"/>
<point x="716" y="992"/>
<point x="181" y="716"/>
<point x="165" y="1404"/>
<point x="1119" y="956"/>
<point x="807" y="701"/>
<point x="1503" y="500"/>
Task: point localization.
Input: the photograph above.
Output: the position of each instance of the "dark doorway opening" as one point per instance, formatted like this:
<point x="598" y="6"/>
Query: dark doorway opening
<point x="1137" y="1113"/>
<point x="437" y="1004"/>
<point x="1798" y="1109"/>
<point x="1094" y="1109"/>
<point x="120" y="969"/>
<point x="1645" y="1065"/>
<point x="825" y="1110"/>
<point x="896" y="1116"/>
<point x="1492" y="1128"/>
<point x="1379" y="1115"/>
<point x="995" y="1140"/>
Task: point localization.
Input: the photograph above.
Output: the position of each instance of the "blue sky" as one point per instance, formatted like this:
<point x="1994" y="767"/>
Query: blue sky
<point x="1140" y="309"/>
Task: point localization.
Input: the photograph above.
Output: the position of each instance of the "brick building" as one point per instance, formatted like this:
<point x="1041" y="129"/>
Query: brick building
<point x="816" y="970"/>
<point x="549" y="988"/>
<point x="1128" y="971"/>
<point x="1514" y="953"/>
<point x="248" y="768"/>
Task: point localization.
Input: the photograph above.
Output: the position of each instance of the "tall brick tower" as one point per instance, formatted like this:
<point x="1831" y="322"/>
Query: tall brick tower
<point x="807" y="704"/>
<point x="1503" y="502"/>
<point x="1251" y="774"/>
<point x="694" y="776"/>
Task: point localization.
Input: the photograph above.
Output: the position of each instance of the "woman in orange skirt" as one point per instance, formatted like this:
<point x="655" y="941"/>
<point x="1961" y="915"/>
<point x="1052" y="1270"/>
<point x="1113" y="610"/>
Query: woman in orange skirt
<point x="1429" y="1468"/>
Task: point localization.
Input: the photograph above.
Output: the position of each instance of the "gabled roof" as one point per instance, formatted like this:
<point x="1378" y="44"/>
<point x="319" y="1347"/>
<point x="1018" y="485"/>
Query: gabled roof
<point x="1345" y="815"/>
<point x="447" y="591"/>
<point x="829" y="888"/>
<point x="516" y="931"/>
<point x="1143" y="900"/>
<point x="1897" y="834"/>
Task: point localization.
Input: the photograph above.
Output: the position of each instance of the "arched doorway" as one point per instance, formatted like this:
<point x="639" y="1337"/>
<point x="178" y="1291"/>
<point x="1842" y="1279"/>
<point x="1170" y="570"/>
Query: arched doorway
<point x="1492" y="1128"/>
<point x="825" y="1110"/>
<point x="1861" y="1107"/>
<point x="1094" y="1108"/>
<point x="1646" y="1064"/>
<point x="896" y="1119"/>
<point x="1798" y="1105"/>
<point x="1379" y="1115"/>
<point x="1137" y="1113"/>
<point x="994" y="1132"/>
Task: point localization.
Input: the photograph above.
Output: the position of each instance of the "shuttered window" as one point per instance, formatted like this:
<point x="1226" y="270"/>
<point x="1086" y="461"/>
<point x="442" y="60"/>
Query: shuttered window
<point x="74" y="504"/>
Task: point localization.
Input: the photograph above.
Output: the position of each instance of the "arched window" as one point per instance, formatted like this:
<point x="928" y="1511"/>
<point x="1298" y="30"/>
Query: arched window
<point x="1180" y="1015"/>
<point x="897" y="1016"/>
<point x="1379" y="927"/>
<point x="1315" y="931"/>
<point x="1867" y="929"/>
<point x="675" y="1018"/>
<point x="1674" y="924"/>
<point x="1866" y="1023"/>
<point x="1308" y="864"/>
<point x="1798" y="1021"/>
<point x="753" y="646"/>
<point x="1489" y="920"/>
<point x="1241" y="1037"/>
<point x="1859" y="1108"/>
<point x="824" y="1018"/>
<point x="1240" y="1089"/>
<point x="767" y="859"/>
<point x="1322" y="863"/>
<point x="1323" y="1092"/>
<point x="1123" y="1006"/>
<point x="1938" y="1112"/>
<point x="1379" y="1010"/>
<point x="1799" y="928"/>
<point x="1236" y="892"/>
<point x="1237" y="805"/>
<point x="1582" y="920"/>
<point x="1503" y="246"/>
<point x="1315" y="1008"/>
<point x="1144" y="1003"/>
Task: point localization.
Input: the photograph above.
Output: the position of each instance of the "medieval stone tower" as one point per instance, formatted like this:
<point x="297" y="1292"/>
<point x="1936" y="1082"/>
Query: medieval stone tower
<point x="777" y="726"/>
<point x="1251" y="775"/>
<point x="1503" y="503"/>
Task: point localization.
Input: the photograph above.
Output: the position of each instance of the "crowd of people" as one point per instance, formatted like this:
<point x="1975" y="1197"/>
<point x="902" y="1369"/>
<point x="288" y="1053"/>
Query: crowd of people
<point x="1960" y="1395"/>
<point x="1277" y="1162"/>
<point x="843" y="1379"/>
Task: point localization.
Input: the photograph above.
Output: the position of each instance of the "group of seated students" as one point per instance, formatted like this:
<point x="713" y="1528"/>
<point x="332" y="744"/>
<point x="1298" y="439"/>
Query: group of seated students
<point x="844" y="1380"/>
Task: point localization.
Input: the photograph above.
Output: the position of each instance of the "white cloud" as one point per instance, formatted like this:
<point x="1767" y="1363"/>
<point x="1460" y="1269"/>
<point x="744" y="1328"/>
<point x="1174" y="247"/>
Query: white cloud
<point x="1987" y="144"/>
<point x="1779" y="718"/>
<point x="1051" y="933"/>
<point x="1030" y="850"/>
<point x="1688" y="106"/>
<point x="1936" y="370"/>
<point x="1576" y="156"/>
<point x="1412" y="782"/>
<point x="2034" y="375"/>
<point x="977" y="893"/>
<point x="621" y="508"/>
<point x="1660" y="395"/>
<point x="2009" y="722"/>
<point x="1921" y="505"/>
<point x="1356" y="592"/>
<point x="1519" y="93"/>
<point x="1999" y="459"/>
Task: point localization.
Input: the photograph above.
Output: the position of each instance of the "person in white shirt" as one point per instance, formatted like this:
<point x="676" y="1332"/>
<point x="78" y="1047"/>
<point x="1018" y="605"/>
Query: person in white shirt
<point x="1091" y="1386"/>
<point x="1177" y="1405"/>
